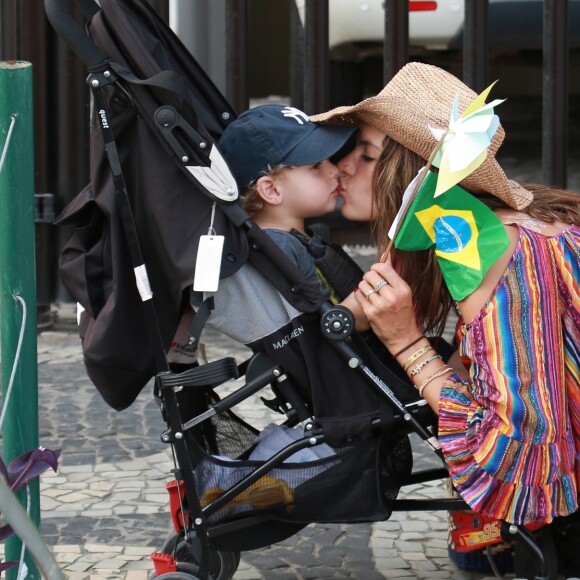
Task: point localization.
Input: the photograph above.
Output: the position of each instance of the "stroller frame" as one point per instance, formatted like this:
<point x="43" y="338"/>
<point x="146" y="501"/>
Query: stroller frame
<point x="198" y="535"/>
<point x="202" y="539"/>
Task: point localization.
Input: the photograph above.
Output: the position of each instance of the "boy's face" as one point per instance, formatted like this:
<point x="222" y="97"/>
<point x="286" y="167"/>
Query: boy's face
<point x="309" y="190"/>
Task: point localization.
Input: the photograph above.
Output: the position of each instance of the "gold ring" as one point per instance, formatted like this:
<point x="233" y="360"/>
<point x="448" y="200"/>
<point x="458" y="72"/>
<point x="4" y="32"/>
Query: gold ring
<point x="373" y="291"/>
<point x="380" y="285"/>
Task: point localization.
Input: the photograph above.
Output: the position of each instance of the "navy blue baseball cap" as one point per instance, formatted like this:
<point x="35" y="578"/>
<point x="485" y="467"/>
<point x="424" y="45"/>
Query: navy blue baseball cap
<point x="271" y="135"/>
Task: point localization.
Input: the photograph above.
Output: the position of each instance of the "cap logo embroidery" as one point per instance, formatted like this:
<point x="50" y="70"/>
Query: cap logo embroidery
<point x="295" y="114"/>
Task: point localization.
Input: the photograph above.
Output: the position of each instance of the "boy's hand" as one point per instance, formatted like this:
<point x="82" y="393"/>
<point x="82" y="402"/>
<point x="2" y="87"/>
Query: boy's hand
<point x="361" y="321"/>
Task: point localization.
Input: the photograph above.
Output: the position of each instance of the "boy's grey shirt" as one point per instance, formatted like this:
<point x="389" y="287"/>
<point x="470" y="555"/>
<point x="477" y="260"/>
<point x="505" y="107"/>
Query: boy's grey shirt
<point x="299" y="255"/>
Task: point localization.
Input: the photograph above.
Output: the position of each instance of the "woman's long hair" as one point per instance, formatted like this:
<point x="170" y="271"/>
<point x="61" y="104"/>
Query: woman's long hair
<point x="396" y="167"/>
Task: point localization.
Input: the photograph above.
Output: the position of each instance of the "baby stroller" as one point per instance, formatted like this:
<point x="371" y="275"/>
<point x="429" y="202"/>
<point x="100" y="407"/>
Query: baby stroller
<point x="341" y="451"/>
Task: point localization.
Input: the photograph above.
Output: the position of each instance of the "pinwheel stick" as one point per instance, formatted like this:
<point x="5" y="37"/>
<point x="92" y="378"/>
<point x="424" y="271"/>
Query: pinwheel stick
<point x="424" y="172"/>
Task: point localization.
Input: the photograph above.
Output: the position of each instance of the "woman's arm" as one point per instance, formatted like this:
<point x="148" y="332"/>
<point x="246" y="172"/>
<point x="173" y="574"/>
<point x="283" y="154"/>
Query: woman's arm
<point x="391" y="315"/>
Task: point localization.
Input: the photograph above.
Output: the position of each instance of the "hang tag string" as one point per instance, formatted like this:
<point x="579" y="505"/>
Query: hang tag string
<point x="210" y="230"/>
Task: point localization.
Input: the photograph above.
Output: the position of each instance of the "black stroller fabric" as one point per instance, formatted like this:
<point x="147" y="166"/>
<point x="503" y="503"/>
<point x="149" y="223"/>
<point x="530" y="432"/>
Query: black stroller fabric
<point x="355" y="482"/>
<point x="170" y="209"/>
<point x="342" y="402"/>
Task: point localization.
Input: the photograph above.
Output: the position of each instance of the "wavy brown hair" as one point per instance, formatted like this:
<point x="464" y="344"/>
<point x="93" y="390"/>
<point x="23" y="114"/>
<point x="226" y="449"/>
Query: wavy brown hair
<point x="396" y="167"/>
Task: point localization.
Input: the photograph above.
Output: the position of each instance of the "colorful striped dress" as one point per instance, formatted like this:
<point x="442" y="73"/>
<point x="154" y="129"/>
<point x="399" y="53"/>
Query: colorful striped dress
<point x="511" y="434"/>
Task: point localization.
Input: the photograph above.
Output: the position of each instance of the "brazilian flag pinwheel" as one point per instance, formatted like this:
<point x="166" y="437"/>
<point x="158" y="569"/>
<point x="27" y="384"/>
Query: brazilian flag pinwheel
<point x="467" y="236"/>
<point x="436" y="213"/>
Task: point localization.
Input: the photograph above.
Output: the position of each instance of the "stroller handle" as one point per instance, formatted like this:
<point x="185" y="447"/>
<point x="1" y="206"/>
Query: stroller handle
<point x="73" y="34"/>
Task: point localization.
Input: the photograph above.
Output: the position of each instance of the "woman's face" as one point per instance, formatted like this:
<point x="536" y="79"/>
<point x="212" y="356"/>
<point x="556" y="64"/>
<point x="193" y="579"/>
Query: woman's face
<point x="357" y="172"/>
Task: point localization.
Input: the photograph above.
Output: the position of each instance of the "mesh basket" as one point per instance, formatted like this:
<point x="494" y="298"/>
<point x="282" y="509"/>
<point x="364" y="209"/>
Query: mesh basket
<point x="352" y="485"/>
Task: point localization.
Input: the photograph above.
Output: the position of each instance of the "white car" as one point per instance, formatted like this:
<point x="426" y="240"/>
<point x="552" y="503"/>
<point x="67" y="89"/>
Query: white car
<point x="432" y="25"/>
<point x="515" y="38"/>
<point x="357" y="25"/>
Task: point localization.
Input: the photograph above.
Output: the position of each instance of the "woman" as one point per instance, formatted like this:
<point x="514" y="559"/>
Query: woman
<point x="357" y="170"/>
<point x="356" y="190"/>
<point x="511" y="432"/>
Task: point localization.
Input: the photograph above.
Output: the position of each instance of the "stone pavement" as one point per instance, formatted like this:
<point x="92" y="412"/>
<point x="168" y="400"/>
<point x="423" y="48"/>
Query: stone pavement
<point x="105" y="510"/>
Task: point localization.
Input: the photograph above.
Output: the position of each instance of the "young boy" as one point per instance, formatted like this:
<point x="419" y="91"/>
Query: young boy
<point x="281" y="163"/>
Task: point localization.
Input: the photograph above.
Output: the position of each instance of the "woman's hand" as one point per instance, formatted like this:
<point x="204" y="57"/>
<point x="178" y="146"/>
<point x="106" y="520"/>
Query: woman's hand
<point x="386" y="301"/>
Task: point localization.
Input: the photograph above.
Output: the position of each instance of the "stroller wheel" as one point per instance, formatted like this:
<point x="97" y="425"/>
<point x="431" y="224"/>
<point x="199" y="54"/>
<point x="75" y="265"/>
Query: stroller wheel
<point x="222" y="564"/>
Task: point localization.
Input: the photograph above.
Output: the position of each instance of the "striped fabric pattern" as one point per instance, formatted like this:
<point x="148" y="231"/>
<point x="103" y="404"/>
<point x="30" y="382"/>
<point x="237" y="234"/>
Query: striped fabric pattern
<point x="511" y="434"/>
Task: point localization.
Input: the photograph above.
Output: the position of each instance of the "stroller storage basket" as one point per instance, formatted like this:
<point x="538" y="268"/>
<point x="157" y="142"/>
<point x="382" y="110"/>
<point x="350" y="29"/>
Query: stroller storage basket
<point x="353" y="484"/>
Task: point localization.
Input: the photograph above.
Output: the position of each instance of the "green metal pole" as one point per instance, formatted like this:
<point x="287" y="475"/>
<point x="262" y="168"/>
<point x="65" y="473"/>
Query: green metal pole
<point x="18" y="285"/>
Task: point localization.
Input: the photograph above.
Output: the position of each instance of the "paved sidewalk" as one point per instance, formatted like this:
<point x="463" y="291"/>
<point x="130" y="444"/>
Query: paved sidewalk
<point x="105" y="510"/>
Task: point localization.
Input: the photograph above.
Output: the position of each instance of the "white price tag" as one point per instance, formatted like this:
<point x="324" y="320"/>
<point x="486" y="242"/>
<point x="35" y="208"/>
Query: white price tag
<point x="143" y="283"/>
<point x="208" y="263"/>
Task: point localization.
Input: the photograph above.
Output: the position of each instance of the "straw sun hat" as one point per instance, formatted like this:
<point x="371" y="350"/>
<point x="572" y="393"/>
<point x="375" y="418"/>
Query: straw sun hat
<point x="420" y="95"/>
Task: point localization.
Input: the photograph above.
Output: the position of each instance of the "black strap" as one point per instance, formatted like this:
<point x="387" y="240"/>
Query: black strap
<point x="340" y="271"/>
<point x="200" y="317"/>
<point x="165" y="79"/>
<point x="129" y="228"/>
<point x="314" y="244"/>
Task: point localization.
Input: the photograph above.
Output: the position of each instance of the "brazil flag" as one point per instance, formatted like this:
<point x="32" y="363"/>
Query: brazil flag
<point x="467" y="236"/>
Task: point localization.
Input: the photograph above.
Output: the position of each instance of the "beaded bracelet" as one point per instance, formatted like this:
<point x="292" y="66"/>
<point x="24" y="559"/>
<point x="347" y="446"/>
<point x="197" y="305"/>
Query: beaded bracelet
<point x="416" y="355"/>
<point x="442" y="371"/>
<point x="417" y="369"/>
